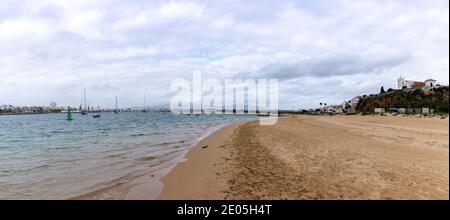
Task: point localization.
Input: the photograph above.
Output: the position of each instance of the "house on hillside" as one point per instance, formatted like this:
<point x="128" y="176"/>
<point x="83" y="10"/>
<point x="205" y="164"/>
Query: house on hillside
<point x="411" y="84"/>
<point x="333" y="109"/>
<point x="431" y="83"/>
<point x="350" y="105"/>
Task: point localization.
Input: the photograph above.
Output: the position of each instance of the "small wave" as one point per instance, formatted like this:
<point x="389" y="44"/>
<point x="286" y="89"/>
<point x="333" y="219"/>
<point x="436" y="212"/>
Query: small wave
<point x="137" y="135"/>
<point x="168" y="143"/>
<point x="116" y="155"/>
<point x="24" y="170"/>
<point x="101" y="189"/>
<point x="148" y="158"/>
<point x="65" y="147"/>
<point x="59" y="132"/>
<point x="40" y="166"/>
<point x="14" y="141"/>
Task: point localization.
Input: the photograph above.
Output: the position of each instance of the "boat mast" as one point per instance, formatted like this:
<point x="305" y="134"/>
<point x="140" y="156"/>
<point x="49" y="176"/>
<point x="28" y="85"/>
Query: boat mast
<point x="116" y="103"/>
<point x="85" y="99"/>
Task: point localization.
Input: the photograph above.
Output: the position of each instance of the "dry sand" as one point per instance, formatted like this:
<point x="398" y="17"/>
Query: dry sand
<point x="318" y="157"/>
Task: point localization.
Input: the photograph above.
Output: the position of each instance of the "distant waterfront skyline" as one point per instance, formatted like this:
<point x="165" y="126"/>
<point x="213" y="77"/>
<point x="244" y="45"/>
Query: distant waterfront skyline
<point x="320" y="52"/>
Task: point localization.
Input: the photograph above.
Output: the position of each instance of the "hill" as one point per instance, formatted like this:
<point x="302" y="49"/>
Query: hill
<point x="436" y="98"/>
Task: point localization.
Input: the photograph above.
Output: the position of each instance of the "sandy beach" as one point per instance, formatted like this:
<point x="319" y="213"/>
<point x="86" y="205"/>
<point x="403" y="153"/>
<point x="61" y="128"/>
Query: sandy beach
<point x="318" y="157"/>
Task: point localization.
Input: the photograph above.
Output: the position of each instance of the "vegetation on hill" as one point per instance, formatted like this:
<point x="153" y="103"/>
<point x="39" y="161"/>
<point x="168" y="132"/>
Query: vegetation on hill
<point x="436" y="98"/>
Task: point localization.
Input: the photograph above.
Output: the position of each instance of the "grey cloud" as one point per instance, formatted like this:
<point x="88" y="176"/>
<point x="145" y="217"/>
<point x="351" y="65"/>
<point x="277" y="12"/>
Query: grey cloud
<point x="331" y="65"/>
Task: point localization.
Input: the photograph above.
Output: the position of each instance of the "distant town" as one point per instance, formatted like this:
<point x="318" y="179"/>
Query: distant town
<point x="54" y="108"/>
<point x="410" y="97"/>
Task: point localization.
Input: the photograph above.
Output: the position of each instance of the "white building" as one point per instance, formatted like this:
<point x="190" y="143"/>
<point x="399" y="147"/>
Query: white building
<point x="355" y="100"/>
<point x="411" y="84"/>
<point x="6" y="107"/>
<point x="335" y="109"/>
<point x="350" y="106"/>
<point x="430" y="83"/>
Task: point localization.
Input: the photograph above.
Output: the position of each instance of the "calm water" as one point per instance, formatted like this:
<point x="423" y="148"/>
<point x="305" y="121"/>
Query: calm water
<point x="47" y="157"/>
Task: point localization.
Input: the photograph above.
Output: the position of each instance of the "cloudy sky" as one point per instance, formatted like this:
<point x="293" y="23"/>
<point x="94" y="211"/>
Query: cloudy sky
<point x="320" y="51"/>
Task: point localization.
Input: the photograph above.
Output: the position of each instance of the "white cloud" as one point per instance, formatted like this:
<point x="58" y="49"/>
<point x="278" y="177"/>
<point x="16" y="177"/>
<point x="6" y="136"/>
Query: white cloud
<point x="163" y="14"/>
<point x="84" y="23"/>
<point x="23" y="29"/>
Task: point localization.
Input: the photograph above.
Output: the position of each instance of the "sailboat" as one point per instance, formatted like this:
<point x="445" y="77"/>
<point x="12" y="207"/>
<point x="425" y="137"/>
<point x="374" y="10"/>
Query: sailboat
<point x="94" y="111"/>
<point x="116" y="111"/>
<point x="84" y="112"/>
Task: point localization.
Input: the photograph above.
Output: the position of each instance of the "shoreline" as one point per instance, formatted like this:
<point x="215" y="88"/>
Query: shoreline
<point x="320" y="157"/>
<point x="196" y="174"/>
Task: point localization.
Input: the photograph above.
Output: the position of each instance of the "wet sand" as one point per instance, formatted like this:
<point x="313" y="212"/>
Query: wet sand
<point x="318" y="157"/>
